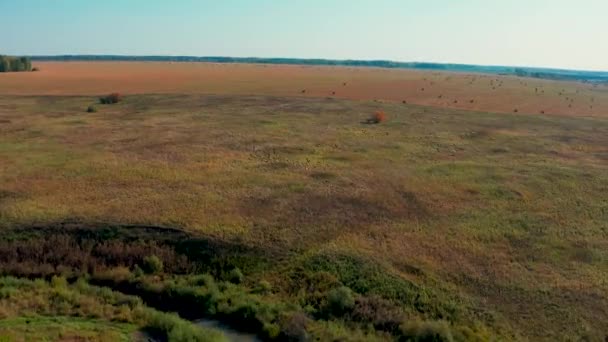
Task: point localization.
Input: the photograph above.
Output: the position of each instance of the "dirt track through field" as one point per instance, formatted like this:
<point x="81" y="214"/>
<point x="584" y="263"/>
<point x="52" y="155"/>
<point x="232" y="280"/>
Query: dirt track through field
<point x="479" y="92"/>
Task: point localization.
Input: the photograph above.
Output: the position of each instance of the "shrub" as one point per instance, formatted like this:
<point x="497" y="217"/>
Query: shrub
<point x="91" y="109"/>
<point x="59" y="282"/>
<point x="138" y="272"/>
<point x="381" y="313"/>
<point x="235" y="276"/>
<point x="263" y="287"/>
<point x="377" y="117"/>
<point x="152" y="265"/>
<point x="340" y="301"/>
<point x="172" y="328"/>
<point x="294" y="327"/>
<point x="35" y="69"/>
<point x="110" y="99"/>
<point x="426" y="331"/>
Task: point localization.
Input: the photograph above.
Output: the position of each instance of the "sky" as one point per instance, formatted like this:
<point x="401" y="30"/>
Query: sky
<point x="543" y="33"/>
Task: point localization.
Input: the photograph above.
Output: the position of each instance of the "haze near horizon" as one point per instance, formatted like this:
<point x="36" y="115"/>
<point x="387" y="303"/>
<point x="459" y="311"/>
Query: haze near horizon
<point x="542" y="33"/>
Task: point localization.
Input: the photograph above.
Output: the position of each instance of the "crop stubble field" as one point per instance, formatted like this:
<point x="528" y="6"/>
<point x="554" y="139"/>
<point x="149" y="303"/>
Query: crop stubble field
<point x="500" y="219"/>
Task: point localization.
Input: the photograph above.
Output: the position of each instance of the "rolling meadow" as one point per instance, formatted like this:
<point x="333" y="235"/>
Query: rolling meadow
<point x="294" y="217"/>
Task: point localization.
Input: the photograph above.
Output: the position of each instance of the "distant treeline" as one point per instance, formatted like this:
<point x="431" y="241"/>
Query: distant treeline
<point x="557" y="74"/>
<point x="8" y="64"/>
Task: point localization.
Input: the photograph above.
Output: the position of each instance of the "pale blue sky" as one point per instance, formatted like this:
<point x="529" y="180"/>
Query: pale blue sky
<point x="550" y="33"/>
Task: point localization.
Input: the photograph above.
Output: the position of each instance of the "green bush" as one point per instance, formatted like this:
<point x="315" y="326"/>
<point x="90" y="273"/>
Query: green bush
<point x="59" y="282"/>
<point x="368" y="278"/>
<point x="91" y="109"/>
<point x="173" y="329"/>
<point x="235" y="276"/>
<point x="426" y="332"/>
<point x="152" y="265"/>
<point x="263" y="287"/>
<point x="340" y="301"/>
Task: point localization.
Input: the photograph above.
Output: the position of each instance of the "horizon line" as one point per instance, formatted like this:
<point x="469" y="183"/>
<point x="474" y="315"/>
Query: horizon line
<point x="321" y="59"/>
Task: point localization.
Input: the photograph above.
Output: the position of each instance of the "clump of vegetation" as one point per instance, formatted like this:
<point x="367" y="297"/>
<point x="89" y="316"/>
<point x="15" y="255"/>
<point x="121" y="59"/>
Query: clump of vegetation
<point x="111" y="98"/>
<point x="263" y="287"/>
<point x="152" y="265"/>
<point x="340" y="301"/>
<point x="21" y="297"/>
<point x="15" y="64"/>
<point x="426" y="331"/>
<point x="235" y="276"/>
<point x="91" y="109"/>
<point x="377" y="117"/>
<point x="35" y="69"/>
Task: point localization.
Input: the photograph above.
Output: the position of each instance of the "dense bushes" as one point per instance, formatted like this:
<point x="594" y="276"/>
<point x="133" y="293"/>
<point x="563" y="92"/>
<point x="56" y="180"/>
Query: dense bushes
<point x="323" y="295"/>
<point x="368" y="278"/>
<point x="42" y="251"/>
<point x="14" y="64"/>
<point x="194" y="297"/>
<point x="202" y="296"/>
<point x="71" y="255"/>
<point x="58" y="298"/>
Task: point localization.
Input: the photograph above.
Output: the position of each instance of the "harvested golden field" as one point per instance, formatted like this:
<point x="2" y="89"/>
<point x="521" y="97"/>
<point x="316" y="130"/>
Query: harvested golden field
<point x="477" y="92"/>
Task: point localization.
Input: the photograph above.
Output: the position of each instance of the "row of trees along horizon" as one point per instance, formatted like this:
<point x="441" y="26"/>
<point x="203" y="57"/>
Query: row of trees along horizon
<point x="9" y="64"/>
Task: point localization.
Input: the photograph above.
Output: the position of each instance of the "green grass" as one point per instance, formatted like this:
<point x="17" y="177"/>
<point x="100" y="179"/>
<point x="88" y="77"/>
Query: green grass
<point x="56" y="310"/>
<point x="491" y="221"/>
<point x="64" y="328"/>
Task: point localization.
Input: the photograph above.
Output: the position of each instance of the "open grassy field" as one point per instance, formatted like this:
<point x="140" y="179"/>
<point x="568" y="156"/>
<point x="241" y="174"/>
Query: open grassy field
<point x="494" y="224"/>
<point x="479" y="92"/>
